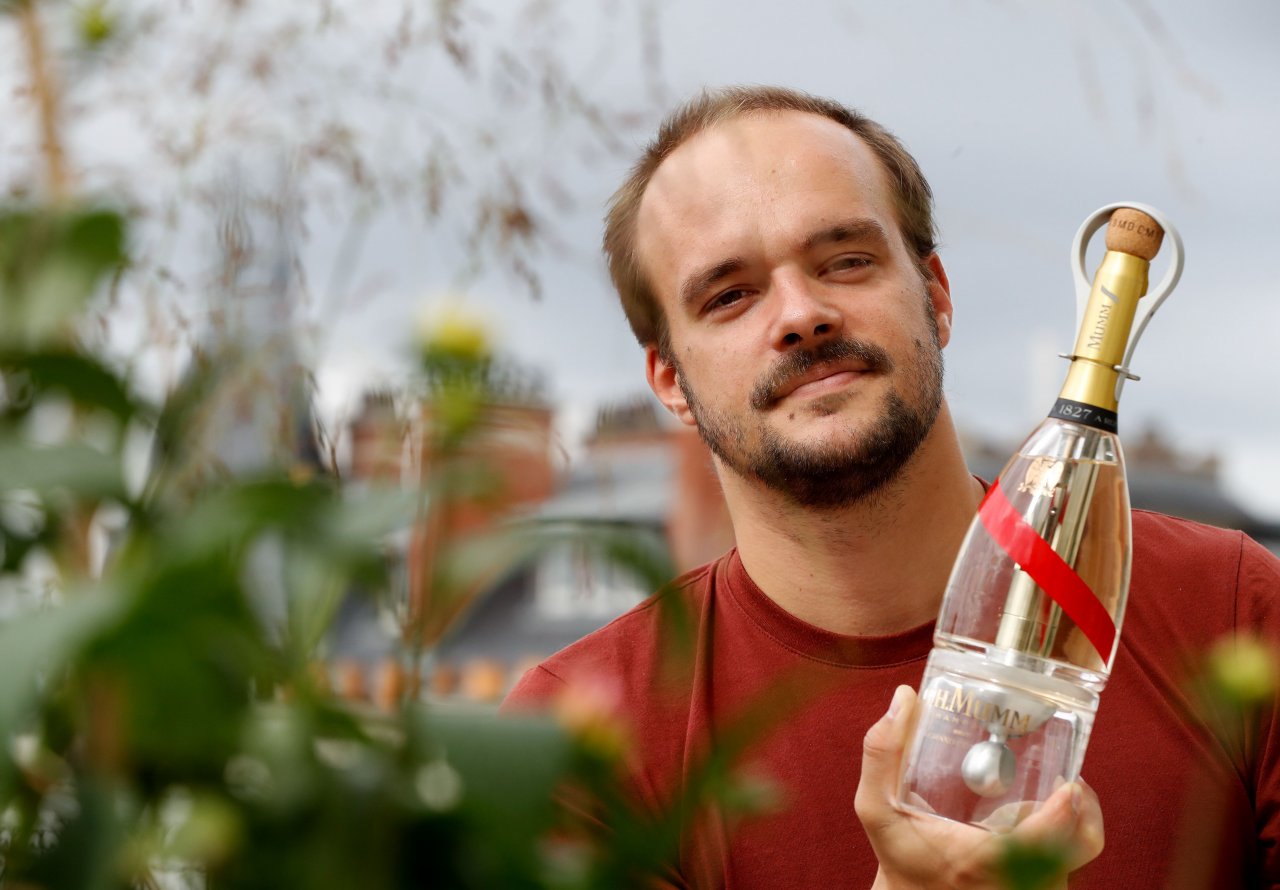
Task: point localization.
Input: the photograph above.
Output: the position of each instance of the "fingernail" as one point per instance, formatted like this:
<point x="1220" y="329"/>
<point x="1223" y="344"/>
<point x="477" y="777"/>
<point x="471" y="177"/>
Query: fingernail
<point x="1077" y="797"/>
<point x="899" y="699"/>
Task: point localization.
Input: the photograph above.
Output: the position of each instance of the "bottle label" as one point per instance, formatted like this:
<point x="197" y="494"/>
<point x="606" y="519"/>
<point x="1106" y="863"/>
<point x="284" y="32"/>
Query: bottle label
<point x="1089" y="415"/>
<point x="966" y="700"/>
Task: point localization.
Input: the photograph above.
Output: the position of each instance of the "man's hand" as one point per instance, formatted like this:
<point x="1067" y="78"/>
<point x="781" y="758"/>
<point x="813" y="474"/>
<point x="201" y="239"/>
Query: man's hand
<point x="917" y="851"/>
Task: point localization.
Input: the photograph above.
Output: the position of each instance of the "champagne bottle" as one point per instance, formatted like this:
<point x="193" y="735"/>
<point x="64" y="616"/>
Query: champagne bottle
<point x="1030" y="620"/>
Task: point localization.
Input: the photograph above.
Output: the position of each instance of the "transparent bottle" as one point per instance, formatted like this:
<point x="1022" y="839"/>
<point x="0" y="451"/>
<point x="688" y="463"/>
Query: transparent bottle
<point x="1030" y="619"/>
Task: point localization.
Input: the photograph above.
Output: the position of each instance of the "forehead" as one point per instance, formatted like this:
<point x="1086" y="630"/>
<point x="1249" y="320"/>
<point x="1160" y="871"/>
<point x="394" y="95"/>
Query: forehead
<point x="752" y="183"/>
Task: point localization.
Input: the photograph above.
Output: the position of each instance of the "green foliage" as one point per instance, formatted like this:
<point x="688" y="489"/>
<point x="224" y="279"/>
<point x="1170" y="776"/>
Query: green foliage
<point x="39" y="645"/>
<point x="1033" y="866"/>
<point x="36" y="375"/>
<point x="156" y="719"/>
<point x="50" y="265"/>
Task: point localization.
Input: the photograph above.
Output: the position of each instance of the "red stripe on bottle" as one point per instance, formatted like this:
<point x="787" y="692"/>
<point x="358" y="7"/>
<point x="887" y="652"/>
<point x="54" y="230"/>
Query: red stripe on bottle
<point x="1049" y="570"/>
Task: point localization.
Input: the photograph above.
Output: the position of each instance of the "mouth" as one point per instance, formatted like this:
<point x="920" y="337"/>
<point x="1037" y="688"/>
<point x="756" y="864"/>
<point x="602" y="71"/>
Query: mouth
<point x="829" y="368"/>
<point x="821" y="385"/>
<point x="818" y="381"/>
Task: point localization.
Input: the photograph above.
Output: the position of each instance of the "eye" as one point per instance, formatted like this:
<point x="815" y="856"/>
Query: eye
<point x="725" y="299"/>
<point x="847" y="262"/>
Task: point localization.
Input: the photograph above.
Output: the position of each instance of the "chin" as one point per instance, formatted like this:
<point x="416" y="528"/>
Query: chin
<point x="819" y="419"/>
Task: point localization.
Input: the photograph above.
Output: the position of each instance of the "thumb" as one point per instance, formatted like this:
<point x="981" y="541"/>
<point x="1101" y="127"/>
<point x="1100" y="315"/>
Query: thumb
<point x="882" y="757"/>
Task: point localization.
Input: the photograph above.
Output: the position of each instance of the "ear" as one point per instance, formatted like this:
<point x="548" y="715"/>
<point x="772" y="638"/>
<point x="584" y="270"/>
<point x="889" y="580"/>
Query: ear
<point x="939" y="289"/>
<point x="665" y="382"/>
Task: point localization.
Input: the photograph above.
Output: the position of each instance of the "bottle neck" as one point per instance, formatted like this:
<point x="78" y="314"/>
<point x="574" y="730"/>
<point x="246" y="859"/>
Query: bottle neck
<point x="1089" y="393"/>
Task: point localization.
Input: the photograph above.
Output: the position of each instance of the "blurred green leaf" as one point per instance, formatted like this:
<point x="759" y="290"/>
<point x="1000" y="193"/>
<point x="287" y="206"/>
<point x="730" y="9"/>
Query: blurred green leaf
<point x="19" y="539"/>
<point x="314" y="520"/>
<point x="314" y="591"/>
<point x="181" y="662"/>
<point x="86" y="854"/>
<point x="512" y="791"/>
<point x="234" y="514"/>
<point x="370" y="516"/>
<point x="497" y="775"/>
<point x="1032" y="866"/>
<point x="50" y="264"/>
<point x="83" y="379"/>
<point x="277" y="741"/>
<point x="35" y="645"/>
<point x="74" y="468"/>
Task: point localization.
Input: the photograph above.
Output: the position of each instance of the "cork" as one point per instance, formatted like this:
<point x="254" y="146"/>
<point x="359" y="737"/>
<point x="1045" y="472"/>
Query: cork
<point x="1133" y="232"/>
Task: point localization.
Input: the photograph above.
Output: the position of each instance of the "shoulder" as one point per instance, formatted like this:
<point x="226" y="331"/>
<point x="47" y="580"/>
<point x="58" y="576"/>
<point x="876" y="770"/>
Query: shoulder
<point x="1160" y="531"/>
<point x="1195" y="574"/>
<point x="629" y="650"/>
<point x="1191" y="550"/>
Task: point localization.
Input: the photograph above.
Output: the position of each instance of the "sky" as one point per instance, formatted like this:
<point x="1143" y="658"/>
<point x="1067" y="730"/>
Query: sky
<point x="1024" y="117"/>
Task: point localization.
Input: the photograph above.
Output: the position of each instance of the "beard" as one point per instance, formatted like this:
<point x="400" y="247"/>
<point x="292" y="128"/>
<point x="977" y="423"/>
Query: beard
<point x="844" y="470"/>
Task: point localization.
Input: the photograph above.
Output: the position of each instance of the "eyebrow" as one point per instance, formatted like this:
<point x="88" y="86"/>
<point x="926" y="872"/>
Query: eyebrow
<point x="858" y="229"/>
<point x="855" y="229"/>
<point x="698" y="282"/>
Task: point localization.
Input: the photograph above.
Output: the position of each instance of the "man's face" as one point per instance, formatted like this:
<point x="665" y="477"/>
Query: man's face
<point x="805" y="341"/>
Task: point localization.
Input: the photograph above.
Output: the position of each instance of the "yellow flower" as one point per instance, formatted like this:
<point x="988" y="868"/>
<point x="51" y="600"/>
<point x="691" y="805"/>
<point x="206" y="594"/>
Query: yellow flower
<point x="455" y="335"/>
<point x="1243" y="670"/>
<point x="96" y="23"/>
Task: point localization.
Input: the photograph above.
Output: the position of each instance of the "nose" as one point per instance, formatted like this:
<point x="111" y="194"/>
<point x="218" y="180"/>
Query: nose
<point x="804" y="315"/>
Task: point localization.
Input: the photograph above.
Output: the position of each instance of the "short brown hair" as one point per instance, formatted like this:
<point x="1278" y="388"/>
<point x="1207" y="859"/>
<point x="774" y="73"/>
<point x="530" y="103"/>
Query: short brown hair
<point x="912" y="196"/>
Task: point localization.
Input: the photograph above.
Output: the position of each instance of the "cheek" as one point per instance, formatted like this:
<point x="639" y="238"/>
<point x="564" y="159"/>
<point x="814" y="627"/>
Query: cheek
<point x="724" y="362"/>
<point x="720" y="383"/>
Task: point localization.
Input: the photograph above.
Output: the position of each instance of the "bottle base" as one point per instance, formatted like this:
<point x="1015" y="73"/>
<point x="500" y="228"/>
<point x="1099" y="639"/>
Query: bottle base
<point x="991" y="742"/>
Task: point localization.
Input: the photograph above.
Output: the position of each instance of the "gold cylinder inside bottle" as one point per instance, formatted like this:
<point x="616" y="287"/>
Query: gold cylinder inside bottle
<point x="1118" y="284"/>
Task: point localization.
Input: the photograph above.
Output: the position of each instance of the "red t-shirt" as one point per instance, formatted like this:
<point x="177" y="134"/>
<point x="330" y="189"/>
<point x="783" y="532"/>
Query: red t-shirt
<point x="1175" y="797"/>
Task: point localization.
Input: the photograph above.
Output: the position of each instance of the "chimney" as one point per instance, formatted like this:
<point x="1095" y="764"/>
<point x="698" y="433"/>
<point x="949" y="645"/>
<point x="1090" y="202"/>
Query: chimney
<point x="377" y="440"/>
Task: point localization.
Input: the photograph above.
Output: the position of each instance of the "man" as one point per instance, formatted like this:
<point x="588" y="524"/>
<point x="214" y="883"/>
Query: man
<point x="775" y="257"/>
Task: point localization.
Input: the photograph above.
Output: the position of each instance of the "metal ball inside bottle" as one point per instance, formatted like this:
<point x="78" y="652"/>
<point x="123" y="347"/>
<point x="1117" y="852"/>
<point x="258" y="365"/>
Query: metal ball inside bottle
<point x="988" y="769"/>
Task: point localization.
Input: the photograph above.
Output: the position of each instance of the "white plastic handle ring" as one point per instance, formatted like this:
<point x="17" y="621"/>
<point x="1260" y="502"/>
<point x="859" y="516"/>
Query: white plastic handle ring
<point x="1155" y="297"/>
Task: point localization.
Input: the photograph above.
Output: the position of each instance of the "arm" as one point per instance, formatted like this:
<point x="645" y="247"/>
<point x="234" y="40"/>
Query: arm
<point x="921" y="852"/>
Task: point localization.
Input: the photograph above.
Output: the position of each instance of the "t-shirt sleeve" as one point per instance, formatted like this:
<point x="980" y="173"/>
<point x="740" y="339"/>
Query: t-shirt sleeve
<point x="535" y="691"/>
<point x="1259" y="616"/>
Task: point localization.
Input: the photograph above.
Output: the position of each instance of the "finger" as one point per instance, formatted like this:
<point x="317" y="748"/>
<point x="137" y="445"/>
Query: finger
<point x="1071" y="818"/>
<point x="1054" y="820"/>
<point x="881" y="758"/>
<point x="1089" y="837"/>
<point x="1008" y="816"/>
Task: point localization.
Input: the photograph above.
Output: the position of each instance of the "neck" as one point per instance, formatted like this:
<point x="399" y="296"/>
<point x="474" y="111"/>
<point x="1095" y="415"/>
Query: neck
<point x="875" y="567"/>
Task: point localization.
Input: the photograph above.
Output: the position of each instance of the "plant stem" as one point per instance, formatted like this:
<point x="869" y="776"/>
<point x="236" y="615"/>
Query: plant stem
<point x="44" y="88"/>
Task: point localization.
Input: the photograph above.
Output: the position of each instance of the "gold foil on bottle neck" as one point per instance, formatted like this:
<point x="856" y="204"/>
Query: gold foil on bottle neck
<point x="1119" y="283"/>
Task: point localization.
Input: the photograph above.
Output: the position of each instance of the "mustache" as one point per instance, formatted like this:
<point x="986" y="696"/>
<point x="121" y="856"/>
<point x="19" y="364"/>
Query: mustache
<point x="794" y="364"/>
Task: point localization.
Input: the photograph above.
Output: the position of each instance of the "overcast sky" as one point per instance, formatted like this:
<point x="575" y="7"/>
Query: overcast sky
<point x="1025" y="117"/>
